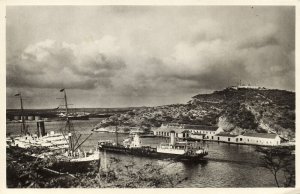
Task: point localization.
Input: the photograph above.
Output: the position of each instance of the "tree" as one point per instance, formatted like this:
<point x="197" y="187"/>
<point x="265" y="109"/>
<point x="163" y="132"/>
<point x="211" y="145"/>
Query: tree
<point x="24" y="171"/>
<point x="129" y="174"/>
<point x="279" y="160"/>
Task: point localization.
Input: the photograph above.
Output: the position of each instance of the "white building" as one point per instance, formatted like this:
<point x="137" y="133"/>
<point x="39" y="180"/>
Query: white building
<point x="202" y="131"/>
<point x="186" y="131"/>
<point x="225" y="137"/>
<point x="166" y="132"/>
<point x="269" y="139"/>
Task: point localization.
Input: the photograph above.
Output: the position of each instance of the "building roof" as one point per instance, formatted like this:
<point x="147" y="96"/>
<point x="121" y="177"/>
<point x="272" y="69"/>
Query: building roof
<point x="223" y="134"/>
<point x="201" y="127"/>
<point x="261" y="135"/>
<point x="175" y="129"/>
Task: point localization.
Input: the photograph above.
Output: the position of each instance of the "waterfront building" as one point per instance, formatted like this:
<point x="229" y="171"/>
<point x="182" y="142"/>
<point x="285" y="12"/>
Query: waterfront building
<point x="269" y="139"/>
<point x="202" y="131"/>
<point x="214" y="133"/>
<point x="225" y="137"/>
<point x="187" y="131"/>
<point x="165" y="131"/>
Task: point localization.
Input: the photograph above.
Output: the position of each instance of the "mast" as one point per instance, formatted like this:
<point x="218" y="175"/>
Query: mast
<point x="70" y="138"/>
<point x="74" y="143"/>
<point x="67" y="111"/>
<point x="66" y="102"/>
<point x="23" y="129"/>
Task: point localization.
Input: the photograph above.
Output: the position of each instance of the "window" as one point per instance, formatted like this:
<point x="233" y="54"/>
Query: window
<point x="241" y="139"/>
<point x="218" y="138"/>
<point x="212" y="137"/>
<point x="228" y="139"/>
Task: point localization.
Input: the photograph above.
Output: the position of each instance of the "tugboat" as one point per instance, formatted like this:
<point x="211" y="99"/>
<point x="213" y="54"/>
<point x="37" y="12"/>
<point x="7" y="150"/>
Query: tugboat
<point x="182" y="151"/>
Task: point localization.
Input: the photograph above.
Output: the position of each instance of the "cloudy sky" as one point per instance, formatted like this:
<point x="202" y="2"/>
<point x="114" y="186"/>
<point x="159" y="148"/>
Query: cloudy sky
<point x="117" y="56"/>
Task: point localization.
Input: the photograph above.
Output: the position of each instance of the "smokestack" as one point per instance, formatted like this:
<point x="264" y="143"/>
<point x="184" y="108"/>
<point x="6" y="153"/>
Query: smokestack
<point x="172" y="137"/>
<point x="41" y="128"/>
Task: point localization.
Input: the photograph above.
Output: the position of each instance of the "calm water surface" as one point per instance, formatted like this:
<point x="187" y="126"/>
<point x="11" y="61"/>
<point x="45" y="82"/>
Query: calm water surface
<point x="228" y="165"/>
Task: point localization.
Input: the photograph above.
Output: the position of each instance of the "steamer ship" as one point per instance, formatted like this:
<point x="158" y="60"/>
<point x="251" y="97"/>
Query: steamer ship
<point x="41" y="139"/>
<point x="64" y="147"/>
<point x="182" y="151"/>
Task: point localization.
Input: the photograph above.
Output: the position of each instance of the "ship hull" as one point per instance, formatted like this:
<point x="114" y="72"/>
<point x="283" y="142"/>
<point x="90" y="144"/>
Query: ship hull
<point x="152" y="153"/>
<point x="85" y="117"/>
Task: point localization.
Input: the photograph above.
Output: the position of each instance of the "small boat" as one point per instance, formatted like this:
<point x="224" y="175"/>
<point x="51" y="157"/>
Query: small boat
<point x="101" y="130"/>
<point x="75" y="116"/>
<point x="183" y="151"/>
<point x="74" y="162"/>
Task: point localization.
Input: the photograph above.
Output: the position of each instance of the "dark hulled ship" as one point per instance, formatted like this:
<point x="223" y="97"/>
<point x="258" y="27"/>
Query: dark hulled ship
<point x="183" y="151"/>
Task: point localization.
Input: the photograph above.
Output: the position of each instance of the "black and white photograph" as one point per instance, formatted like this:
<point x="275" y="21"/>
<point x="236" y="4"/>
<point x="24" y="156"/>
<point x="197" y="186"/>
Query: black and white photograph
<point x="150" y="96"/>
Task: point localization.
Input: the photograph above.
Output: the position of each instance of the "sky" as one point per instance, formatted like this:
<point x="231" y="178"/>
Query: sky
<point x="120" y="56"/>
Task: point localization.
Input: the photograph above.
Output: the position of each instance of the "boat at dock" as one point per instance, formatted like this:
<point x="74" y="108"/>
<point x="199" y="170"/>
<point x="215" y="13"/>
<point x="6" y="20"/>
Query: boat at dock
<point x="182" y="151"/>
<point x="63" y="148"/>
<point x="101" y="130"/>
<point x="73" y="159"/>
<point x="52" y="140"/>
<point x="75" y="116"/>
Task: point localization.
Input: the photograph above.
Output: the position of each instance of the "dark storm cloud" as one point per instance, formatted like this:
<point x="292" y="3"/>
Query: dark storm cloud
<point x="27" y="82"/>
<point x="51" y="64"/>
<point x="99" y="66"/>
<point x="255" y="43"/>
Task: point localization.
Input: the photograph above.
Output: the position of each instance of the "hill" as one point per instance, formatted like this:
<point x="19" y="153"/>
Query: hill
<point x="235" y="109"/>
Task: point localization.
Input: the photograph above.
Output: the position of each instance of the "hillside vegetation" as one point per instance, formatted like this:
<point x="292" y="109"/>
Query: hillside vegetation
<point x="235" y="110"/>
